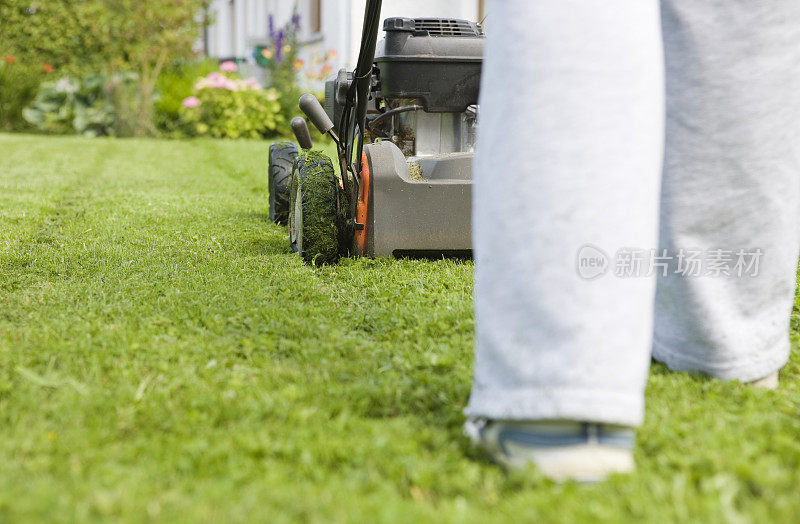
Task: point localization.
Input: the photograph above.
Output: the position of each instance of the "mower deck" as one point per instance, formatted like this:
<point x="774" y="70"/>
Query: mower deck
<point x="427" y="213"/>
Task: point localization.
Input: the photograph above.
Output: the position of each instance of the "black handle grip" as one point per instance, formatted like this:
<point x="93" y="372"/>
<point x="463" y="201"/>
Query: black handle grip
<point x="313" y="110"/>
<point x="300" y="129"/>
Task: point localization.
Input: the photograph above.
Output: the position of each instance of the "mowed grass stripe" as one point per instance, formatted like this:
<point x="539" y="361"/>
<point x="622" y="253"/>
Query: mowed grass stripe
<point x="163" y="356"/>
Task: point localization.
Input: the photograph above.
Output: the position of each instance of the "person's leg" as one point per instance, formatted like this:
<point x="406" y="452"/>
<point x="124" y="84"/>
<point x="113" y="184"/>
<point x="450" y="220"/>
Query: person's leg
<point x="731" y="186"/>
<point x="569" y="154"/>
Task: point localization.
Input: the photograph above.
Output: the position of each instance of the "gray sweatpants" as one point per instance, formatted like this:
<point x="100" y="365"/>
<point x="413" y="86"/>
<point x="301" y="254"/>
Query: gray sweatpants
<point x="576" y="285"/>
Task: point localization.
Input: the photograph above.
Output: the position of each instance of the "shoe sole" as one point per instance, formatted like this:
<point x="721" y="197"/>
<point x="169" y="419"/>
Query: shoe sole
<point x="584" y="463"/>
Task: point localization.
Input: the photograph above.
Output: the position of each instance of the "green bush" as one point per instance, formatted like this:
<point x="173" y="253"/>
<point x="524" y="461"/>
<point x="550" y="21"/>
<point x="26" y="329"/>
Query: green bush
<point x="96" y="105"/>
<point x="18" y="86"/>
<point x="174" y="84"/>
<point x="79" y="37"/>
<point x="70" y="34"/>
<point x="229" y="107"/>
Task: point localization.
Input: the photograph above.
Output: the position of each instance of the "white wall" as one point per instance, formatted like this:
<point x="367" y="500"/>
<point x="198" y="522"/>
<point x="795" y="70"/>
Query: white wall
<point x="464" y="9"/>
<point x="241" y="24"/>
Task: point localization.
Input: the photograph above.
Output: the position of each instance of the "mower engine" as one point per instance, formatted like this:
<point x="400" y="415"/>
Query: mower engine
<point x="420" y="135"/>
<point x="434" y="65"/>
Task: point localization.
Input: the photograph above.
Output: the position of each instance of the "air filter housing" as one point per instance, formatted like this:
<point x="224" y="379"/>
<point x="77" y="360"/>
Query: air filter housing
<point x="434" y="60"/>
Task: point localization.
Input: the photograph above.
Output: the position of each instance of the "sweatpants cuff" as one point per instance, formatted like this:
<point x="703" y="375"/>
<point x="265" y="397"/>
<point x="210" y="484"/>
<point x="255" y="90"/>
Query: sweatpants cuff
<point x="745" y="370"/>
<point x="558" y="404"/>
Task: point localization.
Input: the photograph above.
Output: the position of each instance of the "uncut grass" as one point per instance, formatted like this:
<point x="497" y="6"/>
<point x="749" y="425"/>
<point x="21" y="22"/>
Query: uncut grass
<point x="164" y="356"/>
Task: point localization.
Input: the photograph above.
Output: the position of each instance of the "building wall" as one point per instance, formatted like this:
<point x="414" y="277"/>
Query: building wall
<point x="465" y="9"/>
<point x="241" y="24"/>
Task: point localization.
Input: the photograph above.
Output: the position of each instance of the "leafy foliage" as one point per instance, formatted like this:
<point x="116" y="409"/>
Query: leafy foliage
<point x="175" y="83"/>
<point x="95" y="105"/>
<point x="84" y="36"/>
<point x="147" y="36"/>
<point x="73" y="35"/>
<point x="80" y="37"/>
<point x="226" y="107"/>
<point x="19" y="83"/>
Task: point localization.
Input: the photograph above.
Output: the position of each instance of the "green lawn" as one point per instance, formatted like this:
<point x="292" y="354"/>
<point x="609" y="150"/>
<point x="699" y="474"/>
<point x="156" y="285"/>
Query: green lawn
<point x="163" y="356"/>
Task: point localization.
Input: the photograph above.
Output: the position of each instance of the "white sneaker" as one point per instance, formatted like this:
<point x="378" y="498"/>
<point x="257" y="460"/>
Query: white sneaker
<point x="768" y="382"/>
<point x="561" y="450"/>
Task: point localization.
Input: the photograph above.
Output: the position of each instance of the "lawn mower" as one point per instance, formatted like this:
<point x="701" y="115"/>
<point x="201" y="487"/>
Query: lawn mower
<point x="404" y="124"/>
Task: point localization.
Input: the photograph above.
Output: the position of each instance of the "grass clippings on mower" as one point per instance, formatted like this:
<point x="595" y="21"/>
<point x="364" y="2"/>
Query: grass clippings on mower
<point x="415" y="172"/>
<point x="320" y="236"/>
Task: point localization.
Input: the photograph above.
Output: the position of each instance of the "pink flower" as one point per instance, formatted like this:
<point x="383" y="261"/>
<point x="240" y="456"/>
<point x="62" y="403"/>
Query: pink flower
<point x="252" y="83"/>
<point x="191" y="102"/>
<point x="216" y="81"/>
<point x="228" y="66"/>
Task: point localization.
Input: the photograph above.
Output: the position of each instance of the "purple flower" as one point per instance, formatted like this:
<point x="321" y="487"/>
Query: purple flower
<point x="271" y="21"/>
<point x="279" y="46"/>
<point x="191" y="102"/>
<point x="296" y="22"/>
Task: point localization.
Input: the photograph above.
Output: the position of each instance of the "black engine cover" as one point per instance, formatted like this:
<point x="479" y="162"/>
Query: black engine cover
<point x="434" y="60"/>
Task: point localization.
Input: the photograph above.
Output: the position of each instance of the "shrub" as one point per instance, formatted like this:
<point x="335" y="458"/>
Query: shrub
<point x="84" y="36"/>
<point x="19" y="83"/>
<point x="225" y="106"/>
<point x="149" y="35"/>
<point x="175" y="83"/>
<point x="70" y="34"/>
<point x="96" y="105"/>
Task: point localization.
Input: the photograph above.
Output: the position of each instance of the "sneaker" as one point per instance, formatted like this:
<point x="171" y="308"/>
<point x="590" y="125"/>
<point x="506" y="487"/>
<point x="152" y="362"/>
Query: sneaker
<point x="562" y="450"/>
<point x="768" y="382"/>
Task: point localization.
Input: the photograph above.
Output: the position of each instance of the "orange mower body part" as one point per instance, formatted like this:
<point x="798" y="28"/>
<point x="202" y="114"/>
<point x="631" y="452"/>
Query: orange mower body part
<point x="361" y="237"/>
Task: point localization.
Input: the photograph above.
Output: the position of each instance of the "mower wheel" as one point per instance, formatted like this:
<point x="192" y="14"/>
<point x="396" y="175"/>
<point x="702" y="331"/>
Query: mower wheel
<point x="279" y="172"/>
<point x="313" y="232"/>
